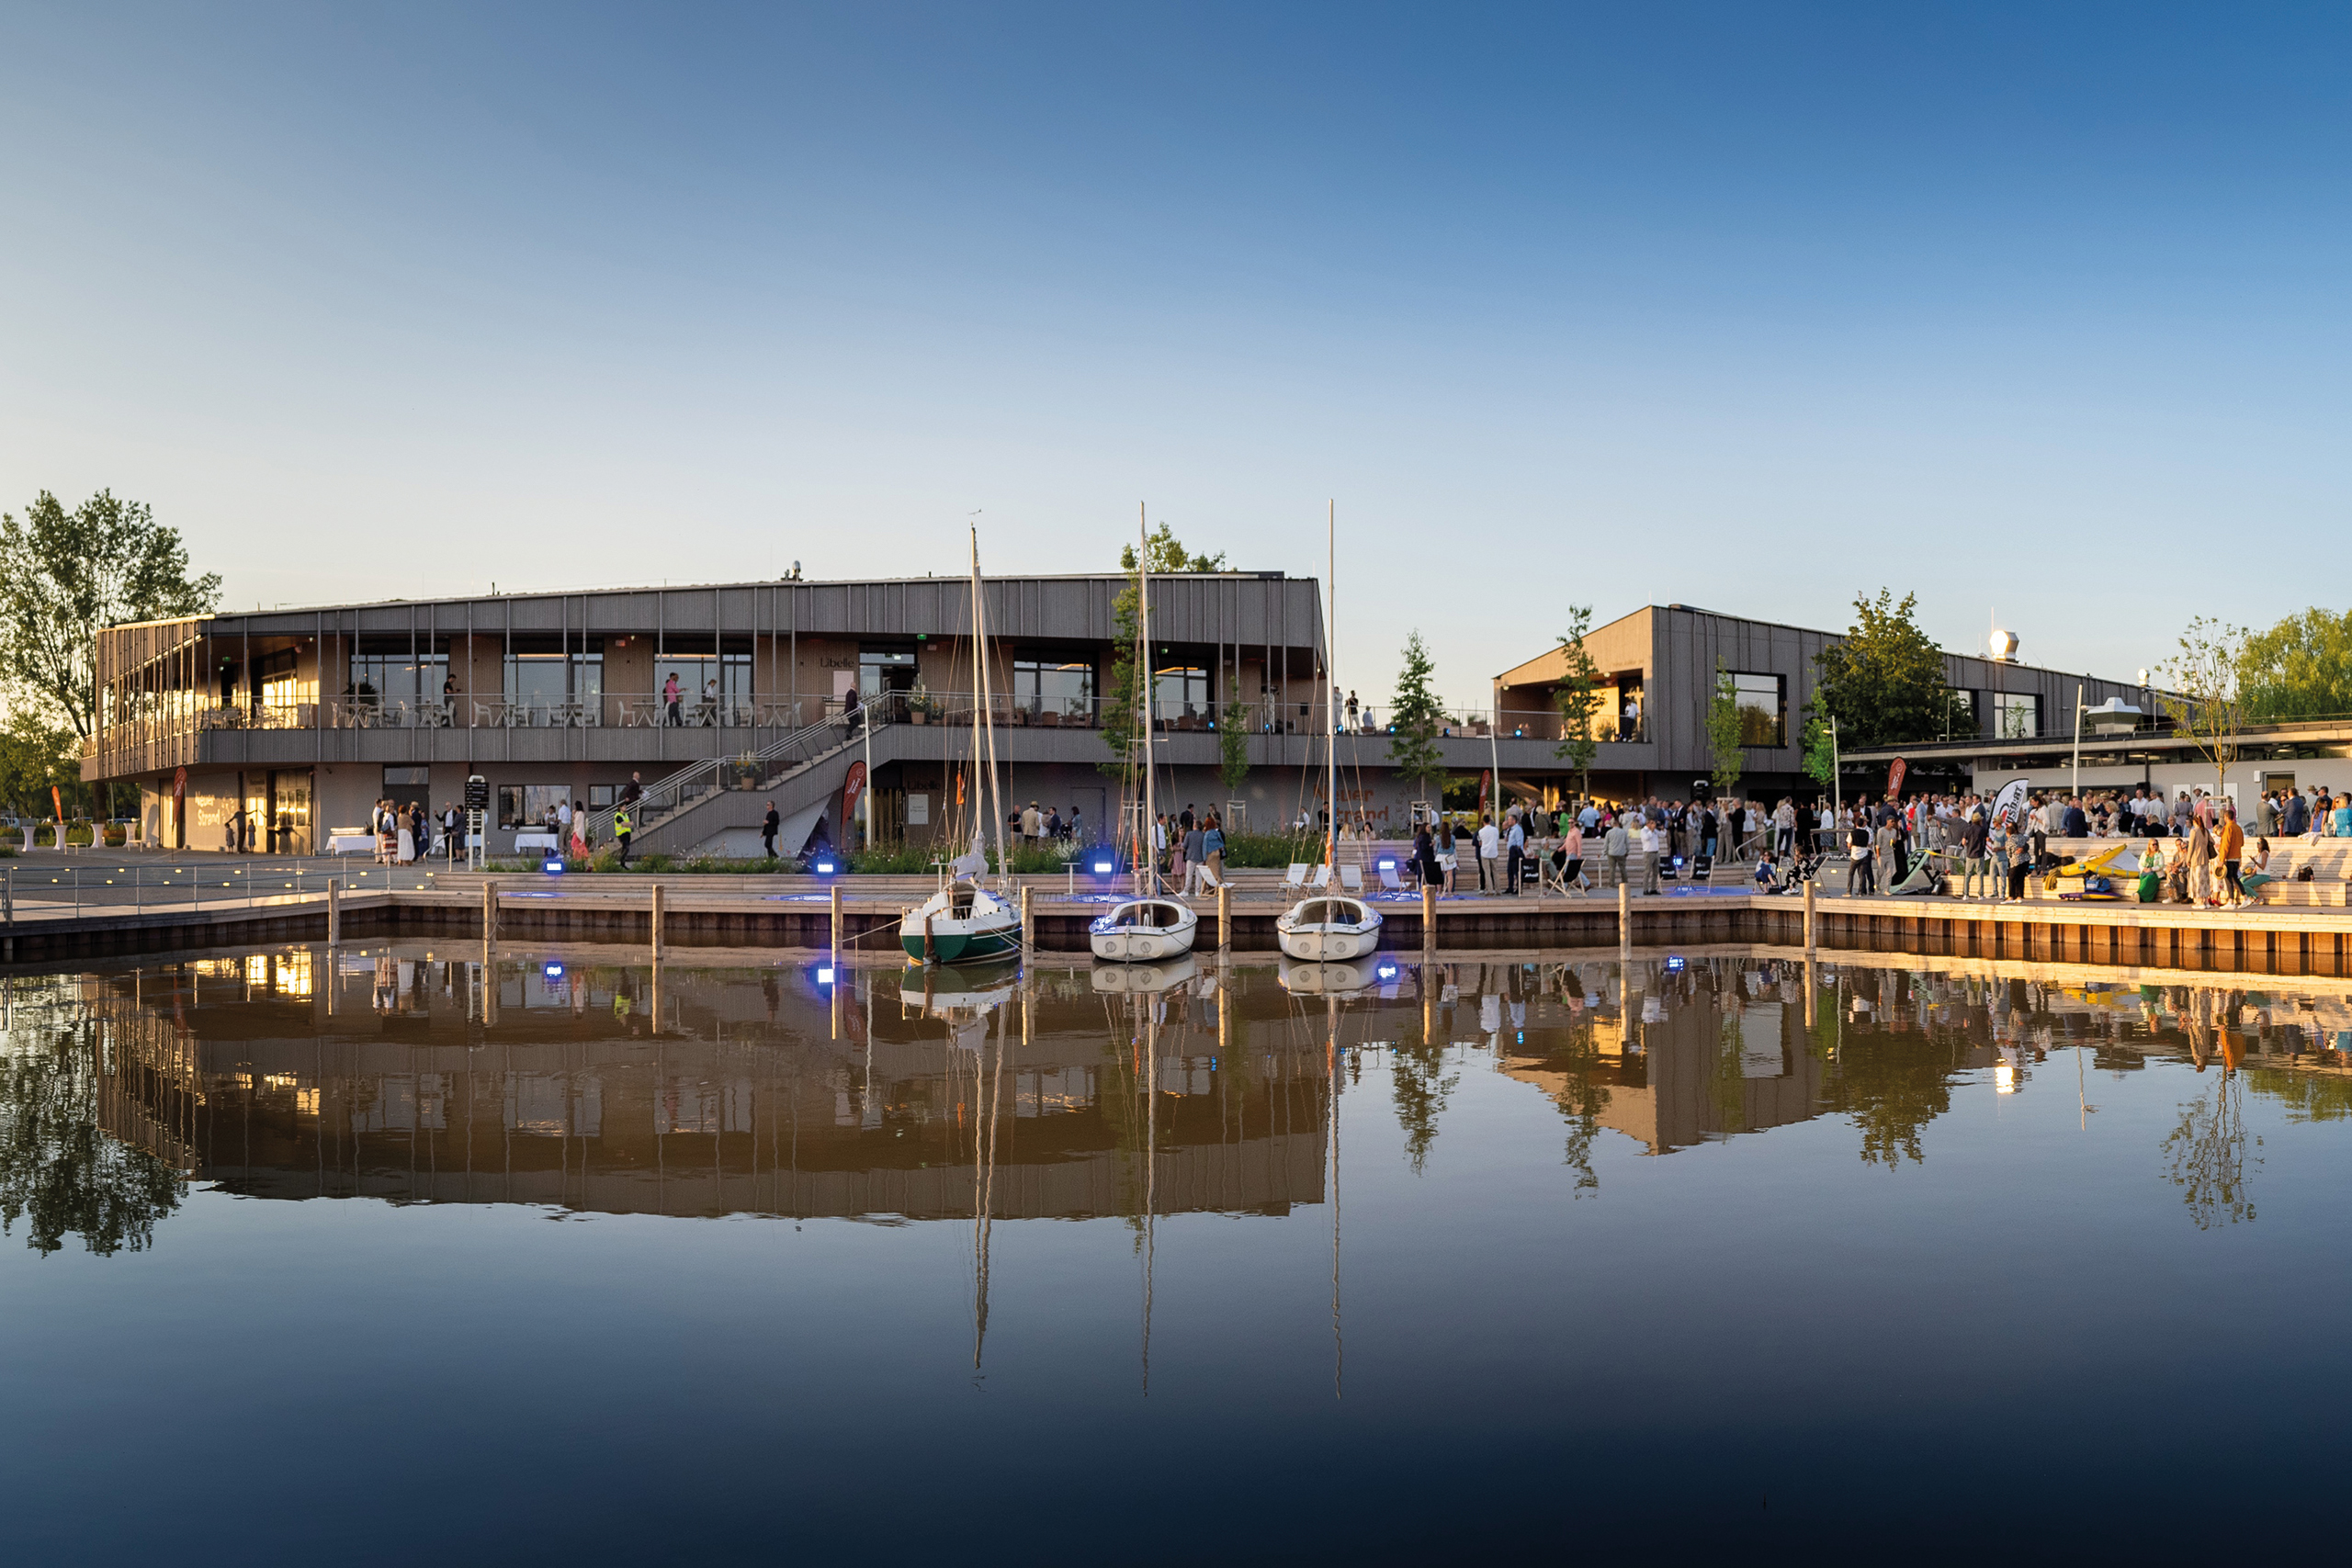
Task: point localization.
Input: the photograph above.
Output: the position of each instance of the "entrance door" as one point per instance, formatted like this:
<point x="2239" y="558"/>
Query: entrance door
<point x="290" y="812"/>
<point x="253" y="832"/>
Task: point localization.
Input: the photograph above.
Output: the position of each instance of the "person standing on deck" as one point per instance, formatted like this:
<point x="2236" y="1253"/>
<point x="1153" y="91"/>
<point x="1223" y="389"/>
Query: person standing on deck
<point x="770" y="826"/>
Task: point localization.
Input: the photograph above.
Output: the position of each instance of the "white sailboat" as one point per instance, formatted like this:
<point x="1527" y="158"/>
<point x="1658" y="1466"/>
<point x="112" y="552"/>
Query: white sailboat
<point x="1147" y="928"/>
<point x="965" y="921"/>
<point x="1330" y="927"/>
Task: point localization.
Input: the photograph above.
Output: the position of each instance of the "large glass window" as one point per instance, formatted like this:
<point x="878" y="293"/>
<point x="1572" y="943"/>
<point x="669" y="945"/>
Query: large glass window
<point x="1043" y="681"/>
<point x="392" y="669"/>
<point x="545" y="670"/>
<point x="2016" y="715"/>
<point x="882" y="669"/>
<point x="723" y="678"/>
<point x="1763" y="709"/>
<point x="530" y="805"/>
<point x="1180" y="691"/>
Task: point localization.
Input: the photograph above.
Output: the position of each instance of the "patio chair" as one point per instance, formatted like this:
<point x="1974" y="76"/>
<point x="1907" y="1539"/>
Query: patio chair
<point x="1296" y="877"/>
<point x="1352" y="878"/>
<point x="1389" y="881"/>
<point x="1322" y="879"/>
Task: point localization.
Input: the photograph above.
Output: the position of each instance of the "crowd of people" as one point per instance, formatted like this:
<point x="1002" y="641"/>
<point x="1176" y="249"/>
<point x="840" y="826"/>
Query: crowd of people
<point x="2206" y="857"/>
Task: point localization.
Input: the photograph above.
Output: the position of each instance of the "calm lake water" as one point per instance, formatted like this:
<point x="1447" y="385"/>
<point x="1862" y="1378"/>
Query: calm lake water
<point x="385" y="1256"/>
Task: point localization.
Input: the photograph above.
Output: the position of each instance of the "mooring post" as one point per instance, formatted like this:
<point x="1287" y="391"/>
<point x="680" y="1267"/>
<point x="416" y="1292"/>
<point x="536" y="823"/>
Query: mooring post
<point x="489" y="912"/>
<point x="1028" y="924"/>
<point x="1625" y="914"/>
<point x="1429" y="915"/>
<point x="657" y="922"/>
<point x="1223" y="923"/>
<point x="1811" y="987"/>
<point x="334" y="910"/>
<point x="837" y="922"/>
<point x="1809" y="886"/>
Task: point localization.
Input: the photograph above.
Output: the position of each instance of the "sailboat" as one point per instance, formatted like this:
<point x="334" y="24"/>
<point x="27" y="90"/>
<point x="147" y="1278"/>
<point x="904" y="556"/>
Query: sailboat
<point x="1146" y="928"/>
<point x="965" y="921"/>
<point x="1326" y="928"/>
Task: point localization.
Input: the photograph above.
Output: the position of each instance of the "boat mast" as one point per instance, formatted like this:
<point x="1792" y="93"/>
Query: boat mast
<point x="1331" y="694"/>
<point x="986" y="720"/>
<point x="1149" y="846"/>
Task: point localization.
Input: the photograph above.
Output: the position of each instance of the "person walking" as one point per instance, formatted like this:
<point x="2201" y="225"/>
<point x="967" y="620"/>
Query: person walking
<point x="580" y="845"/>
<point x="770" y="826"/>
<point x="1213" y="852"/>
<point x="1859" y="864"/>
<point x="2230" y="849"/>
<point x="2023" y="857"/>
<point x="1191" y="838"/>
<point x="453" y="832"/>
<point x="1490" y="845"/>
<point x="622" y="828"/>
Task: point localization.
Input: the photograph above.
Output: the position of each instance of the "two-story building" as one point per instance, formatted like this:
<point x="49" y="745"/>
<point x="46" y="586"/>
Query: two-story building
<point x="267" y="731"/>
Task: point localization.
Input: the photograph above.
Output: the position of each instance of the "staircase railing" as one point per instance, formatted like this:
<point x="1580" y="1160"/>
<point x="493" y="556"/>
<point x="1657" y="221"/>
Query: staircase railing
<point x="700" y="780"/>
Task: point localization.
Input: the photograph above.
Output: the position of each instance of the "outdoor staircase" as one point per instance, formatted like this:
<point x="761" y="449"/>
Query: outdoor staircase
<point x="689" y="807"/>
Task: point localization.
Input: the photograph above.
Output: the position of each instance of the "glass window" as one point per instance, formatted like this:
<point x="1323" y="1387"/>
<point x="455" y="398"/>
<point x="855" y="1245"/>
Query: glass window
<point x="884" y="669"/>
<point x="543" y="670"/>
<point x="1047" y="683"/>
<point x="393" y="776"/>
<point x="394" y="669"/>
<point x="1763" y="709"/>
<point x="602" y="796"/>
<point x="1180" y="691"/>
<point x="529" y="805"/>
<point x="2016" y="715"/>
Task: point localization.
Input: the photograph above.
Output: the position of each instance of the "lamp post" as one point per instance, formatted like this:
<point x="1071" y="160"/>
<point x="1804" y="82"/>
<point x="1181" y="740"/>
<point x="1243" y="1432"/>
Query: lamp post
<point x="2074" y="784"/>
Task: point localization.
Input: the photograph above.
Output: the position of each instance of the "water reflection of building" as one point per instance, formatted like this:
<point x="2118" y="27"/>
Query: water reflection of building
<point x="411" y="1077"/>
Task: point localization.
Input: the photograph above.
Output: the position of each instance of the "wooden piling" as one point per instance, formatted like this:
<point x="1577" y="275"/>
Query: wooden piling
<point x="837" y="922"/>
<point x="657" y="922"/>
<point x="488" y="910"/>
<point x="1624" y="915"/>
<point x="1429" y="915"/>
<point x="1224" y="928"/>
<point x="1810" y="941"/>
<point x="334" y="910"/>
<point x="1028" y="924"/>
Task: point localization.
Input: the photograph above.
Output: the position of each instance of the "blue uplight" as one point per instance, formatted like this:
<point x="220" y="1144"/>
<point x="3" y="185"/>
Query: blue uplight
<point x="552" y="971"/>
<point x="552" y="865"/>
<point x="825" y="974"/>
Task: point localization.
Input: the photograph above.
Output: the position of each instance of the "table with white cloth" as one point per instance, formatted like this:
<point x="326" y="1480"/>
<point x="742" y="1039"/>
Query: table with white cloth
<point x="545" y="841"/>
<point x="352" y="843"/>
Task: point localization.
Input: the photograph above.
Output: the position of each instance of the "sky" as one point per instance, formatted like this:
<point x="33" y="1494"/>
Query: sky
<point x="2039" y="312"/>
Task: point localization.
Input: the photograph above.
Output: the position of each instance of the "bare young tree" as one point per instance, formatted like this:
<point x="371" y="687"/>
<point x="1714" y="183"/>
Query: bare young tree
<point x="2206" y="702"/>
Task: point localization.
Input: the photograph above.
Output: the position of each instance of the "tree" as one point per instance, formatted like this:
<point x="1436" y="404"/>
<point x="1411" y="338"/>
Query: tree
<point x="1578" y="696"/>
<point x="1125" y="695"/>
<point x="2205" y="701"/>
<point x="35" y="757"/>
<point x="1724" y="737"/>
<point x="1883" y="680"/>
<point x="2301" y="668"/>
<point x="1415" y="718"/>
<point x="1233" y="747"/>
<point x="1820" y="750"/>
<point x="66" y="575"/>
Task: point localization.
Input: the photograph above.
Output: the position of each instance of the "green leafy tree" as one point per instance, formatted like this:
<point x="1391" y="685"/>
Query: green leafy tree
<point x="1724" y="737"/>
<point x="1125" y="694"/>
<point x="66" y="575"/>
<point x="1820" y="750"/>
<point x="1884" y="682"/>
<point x="1416" y="716"/>
<point x="2206" y="702"/>
<point x="1579" y="698"/>
<point x="1233" y="747"/>
<point x="2301" y="668"/>
<point x="35" y="756"/>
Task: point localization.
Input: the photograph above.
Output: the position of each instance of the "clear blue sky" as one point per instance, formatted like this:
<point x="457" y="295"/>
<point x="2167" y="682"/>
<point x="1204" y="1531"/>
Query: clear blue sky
<point x="2042" y="308"/>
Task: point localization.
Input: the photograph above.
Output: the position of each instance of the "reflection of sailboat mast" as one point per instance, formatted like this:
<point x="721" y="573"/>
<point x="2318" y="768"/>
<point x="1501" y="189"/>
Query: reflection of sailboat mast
<point x="984" y="1183"/>
<point x="1331" y="1069"/>
<point x="1151" y="1167"/>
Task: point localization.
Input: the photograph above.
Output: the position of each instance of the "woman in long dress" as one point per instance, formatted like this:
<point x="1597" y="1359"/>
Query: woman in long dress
<point x="406" y="850"/>
<point x="579" y="829"/>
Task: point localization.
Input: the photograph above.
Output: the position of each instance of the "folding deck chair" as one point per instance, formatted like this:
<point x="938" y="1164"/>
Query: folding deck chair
<point x="1351" y="879"/>
<point x="1294" y="878"/>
